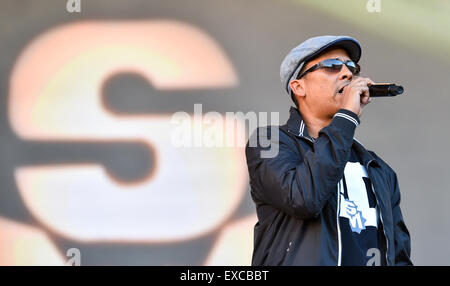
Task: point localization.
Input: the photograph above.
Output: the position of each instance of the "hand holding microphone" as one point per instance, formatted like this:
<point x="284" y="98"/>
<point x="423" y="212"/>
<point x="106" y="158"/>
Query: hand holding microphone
<point x="356" y="94"/>
<point x="365" y="89"/>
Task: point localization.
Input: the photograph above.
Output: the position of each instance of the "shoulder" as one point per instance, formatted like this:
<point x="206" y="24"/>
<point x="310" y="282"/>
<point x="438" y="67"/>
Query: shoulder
<point x="271" y="133"/>
<point x="272" y="137"/>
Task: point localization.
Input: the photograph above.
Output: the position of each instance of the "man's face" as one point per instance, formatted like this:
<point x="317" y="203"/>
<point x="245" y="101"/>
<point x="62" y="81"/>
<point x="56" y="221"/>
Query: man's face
<point x="320" y="88"/>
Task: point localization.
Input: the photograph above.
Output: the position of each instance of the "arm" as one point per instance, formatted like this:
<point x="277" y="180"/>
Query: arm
<point x="301" y="185"/>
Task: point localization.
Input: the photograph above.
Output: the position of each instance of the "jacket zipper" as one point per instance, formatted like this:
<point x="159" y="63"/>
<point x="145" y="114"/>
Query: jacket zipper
<point x="381" y="216"/>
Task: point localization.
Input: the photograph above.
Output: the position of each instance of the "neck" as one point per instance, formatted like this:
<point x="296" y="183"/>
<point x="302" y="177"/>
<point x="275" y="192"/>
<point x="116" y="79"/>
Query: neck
<point x="314" y="125"/>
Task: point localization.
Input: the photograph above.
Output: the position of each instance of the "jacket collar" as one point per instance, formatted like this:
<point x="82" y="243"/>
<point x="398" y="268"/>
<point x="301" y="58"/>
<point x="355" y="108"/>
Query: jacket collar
<point x="297" y="126"/>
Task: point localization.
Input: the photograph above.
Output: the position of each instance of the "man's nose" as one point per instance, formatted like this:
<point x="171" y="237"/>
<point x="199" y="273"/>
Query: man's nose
<point x="345" y="73"/>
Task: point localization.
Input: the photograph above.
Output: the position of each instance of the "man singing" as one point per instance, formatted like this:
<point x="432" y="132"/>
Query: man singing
<point x="324" y="199"/>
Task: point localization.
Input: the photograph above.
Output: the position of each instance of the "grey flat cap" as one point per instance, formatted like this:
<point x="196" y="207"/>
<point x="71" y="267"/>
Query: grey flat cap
<point x="294" y="61"/>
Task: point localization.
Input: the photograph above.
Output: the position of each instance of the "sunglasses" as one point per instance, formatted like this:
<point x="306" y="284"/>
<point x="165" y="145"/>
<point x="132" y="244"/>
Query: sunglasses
<point x="333" y="65"/>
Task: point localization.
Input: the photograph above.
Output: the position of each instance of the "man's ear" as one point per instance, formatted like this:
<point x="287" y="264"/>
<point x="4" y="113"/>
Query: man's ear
<point x="298" y="87"/>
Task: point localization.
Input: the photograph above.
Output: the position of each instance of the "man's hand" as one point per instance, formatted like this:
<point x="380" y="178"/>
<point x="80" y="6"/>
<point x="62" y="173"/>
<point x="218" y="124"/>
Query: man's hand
<point x="356" y="94"/>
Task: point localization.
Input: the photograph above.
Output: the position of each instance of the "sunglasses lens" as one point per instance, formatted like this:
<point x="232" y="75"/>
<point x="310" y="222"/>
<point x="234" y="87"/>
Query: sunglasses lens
<point x="332" y="65"/>
<point x="351" y="66"/>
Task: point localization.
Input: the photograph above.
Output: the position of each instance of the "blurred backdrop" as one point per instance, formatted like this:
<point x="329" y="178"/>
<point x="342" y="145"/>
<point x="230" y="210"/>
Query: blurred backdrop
<point x="86" y="101"/>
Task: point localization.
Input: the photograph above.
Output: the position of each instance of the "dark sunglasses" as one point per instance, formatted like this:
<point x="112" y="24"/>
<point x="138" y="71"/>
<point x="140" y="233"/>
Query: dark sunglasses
<point x="333" y="65"/>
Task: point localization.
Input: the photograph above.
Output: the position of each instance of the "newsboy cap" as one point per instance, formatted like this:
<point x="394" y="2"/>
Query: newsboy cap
<point x="312" y="47"/>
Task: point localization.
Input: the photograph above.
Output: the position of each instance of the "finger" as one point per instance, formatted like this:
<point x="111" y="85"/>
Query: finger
<point x="366" y="81"/>
<point x="369" y="82"/>
<point x="365" y="95"/>
<point x="361" y="83"/>
<point x="357" y="80"/>
<point x="365" y="100"/>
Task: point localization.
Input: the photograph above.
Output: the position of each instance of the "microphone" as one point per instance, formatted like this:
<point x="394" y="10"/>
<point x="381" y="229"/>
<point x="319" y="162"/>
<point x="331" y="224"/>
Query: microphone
<point x="385" y="90"/>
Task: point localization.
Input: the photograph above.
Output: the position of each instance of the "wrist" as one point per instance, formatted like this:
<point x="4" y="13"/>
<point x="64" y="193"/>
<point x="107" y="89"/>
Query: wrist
<point x="348" y="114"/>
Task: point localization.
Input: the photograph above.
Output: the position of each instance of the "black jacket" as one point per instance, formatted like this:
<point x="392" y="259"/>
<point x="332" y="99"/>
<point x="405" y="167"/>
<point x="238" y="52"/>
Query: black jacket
<point x="296" y="193"/>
